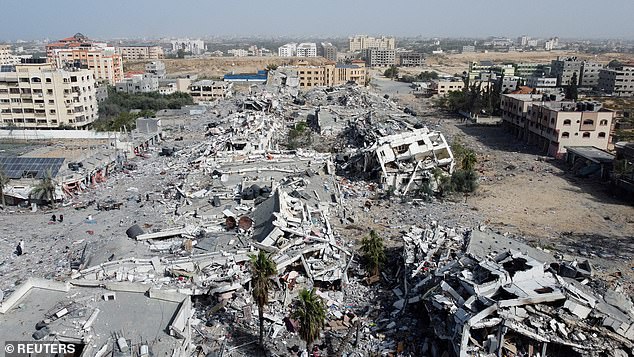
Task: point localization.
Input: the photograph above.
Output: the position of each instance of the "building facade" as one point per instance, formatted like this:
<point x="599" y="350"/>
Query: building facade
<point x="207" y="90"/>
<point x="328" y="75"/>
<point x="287" y="50"/>
<point x="195" y="47"/>
<point x="554" y="125"/>
<point x="6" y="56"/>
<point x="328" y="51"/>
<point x="617" y="81"/>
<point x="360" y="43"/>
<point x="134" y="53"/>
<point x="103" y="61"/>
<point x="443" y="86"/>
<point x="541" y="82"/>
<point x="307" y="49"/>
<point x="38" y="96"/>
<point x="375" y="57"/>
<point x="411" y="59"/>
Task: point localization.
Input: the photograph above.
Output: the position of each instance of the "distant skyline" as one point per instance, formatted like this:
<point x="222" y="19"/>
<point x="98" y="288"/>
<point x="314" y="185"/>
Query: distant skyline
<point x="39" y="19"/>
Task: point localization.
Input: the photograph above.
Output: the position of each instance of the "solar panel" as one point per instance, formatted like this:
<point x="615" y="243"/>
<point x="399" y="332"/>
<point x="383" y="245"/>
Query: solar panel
<point x="30" y="167"/>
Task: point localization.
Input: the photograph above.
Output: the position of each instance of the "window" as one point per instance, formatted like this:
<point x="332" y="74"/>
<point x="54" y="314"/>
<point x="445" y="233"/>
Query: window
<point x="586" y="135"/>
<point x="603" y="122"/>
<point x="602" y="135"/>
<point x="567" y="122"/>
<point x="565" y="135"/>
<point x="588" y="122"/>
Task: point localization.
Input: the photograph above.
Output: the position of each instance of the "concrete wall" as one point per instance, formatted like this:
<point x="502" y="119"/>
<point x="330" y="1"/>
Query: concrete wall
<point x="30" y="134"/>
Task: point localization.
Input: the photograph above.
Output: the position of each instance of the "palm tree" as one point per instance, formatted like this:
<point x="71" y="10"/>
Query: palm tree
<point x="311" y="313"/>
<point x="4" y="181"/>
<point x="45" y="188"/>
<point x="469" y="160"/>
<point x="373" y="252"/>
<point x="262" y="269"/>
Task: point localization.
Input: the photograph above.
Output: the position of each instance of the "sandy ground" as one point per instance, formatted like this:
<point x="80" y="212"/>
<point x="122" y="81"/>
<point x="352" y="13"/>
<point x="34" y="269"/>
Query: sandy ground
<point x="215" y="67"/>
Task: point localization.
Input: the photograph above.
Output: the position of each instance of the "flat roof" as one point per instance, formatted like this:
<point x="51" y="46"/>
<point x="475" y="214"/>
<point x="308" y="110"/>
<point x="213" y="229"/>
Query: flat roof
<point x="591" y="153"/>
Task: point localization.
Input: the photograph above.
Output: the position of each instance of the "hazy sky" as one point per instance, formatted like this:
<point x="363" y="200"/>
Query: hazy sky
<point x="36" y="19"/>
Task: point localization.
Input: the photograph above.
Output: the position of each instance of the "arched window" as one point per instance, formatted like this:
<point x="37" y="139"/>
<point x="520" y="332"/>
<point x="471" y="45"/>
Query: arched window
<point x="567" y="122"/>
<point x="602" y="135"/>
<point x="565" y="135"/>
<point x="36" y="80"/>
<point x="603" y="122"/>
<point x="586" y="135"/>
<point x="588" y="122"/>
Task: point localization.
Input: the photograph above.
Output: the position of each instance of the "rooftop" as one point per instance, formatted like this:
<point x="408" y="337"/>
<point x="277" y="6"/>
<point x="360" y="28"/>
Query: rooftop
<point x="591" y="153"/>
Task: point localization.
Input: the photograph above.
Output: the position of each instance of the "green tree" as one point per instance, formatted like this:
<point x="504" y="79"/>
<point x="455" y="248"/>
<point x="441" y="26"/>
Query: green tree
<point x="271" y="67"/>
<point x="427" y="75"/>
<point x="391" y="72"/>
<point x="469" y="159"/>
<point x="373" y="252"/>
<point x="310" y="311"/>
<point x="180" y="53"/>
<point x="262" y="269"/>
<point x="4" y="181"/>
<point x="45" y="189"/>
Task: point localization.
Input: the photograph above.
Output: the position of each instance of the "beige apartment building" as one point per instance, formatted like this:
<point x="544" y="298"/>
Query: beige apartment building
<point x="445" y="85"/>
<point x="134" y="53"/>
<point x="38" y="96"/>
<point x="554" y="125"/>
<point x="330" y="74"/>
<point x="618" y="81"/>
<point x="360" y="43"/>
<point x="103" y="61"/>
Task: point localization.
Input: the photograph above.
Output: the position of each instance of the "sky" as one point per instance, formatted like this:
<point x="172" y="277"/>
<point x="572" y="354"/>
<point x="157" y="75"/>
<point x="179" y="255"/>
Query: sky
<point x="39" y="19"/>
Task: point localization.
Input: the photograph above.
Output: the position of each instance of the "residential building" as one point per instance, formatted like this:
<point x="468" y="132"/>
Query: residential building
<point x="103" y="61"/>
<point x="551" y="44"/>
<point x="468" y="49"/>
<point x="195" y="47"/>
<point x="156" y="69"/>
<point x="618" y="81"/>
<point x="360" y="43"/>
<point x="541" y="82"/>
<point x="443" y="86"/>
<point x="328" y="51"/>
<point x="477" y="68"/>
<point x="39" y="96"/>
<point x="140" y="52"/>
<point x="411" y="59"/>
<point x="6" y="56"/>
<point x="509" y="83"/>
<point x="554" y="124"/>
<point x="78" y="40"/>
<point x="590" y="74"/>
<point x="138" y="83"/>
<point x="287" y="50"/>
<point x="327" y="75"/>
<point x="238" y="52"/>
<point x="379" y="57"/>
<point x="564" y="68"/>
<point x="306" y="49"/>
<point x="527" y="70"/>
<point x="523" y="41"/>
<point x="207" y="90"/>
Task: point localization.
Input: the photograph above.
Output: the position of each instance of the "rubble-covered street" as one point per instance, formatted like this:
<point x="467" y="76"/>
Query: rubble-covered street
<point x="304" y="176"/>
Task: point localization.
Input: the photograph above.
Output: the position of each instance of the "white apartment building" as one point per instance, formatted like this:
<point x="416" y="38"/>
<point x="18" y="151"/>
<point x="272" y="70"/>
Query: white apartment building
<point x="306" y="49"/>
<point x="238" y="52"/>
<point x="541" y="82"/>
<point x="135" y="53"/>
<point x="7" y="57"/>
<point x="195" y="47"/>
<point x="38" y="96"/>
<point x="138" y="83"/>
<point x="287" y="50"/>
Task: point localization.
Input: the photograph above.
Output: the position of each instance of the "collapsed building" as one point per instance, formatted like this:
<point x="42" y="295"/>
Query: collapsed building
<point x="488" y="295"/>
<point x="405" y="161"/>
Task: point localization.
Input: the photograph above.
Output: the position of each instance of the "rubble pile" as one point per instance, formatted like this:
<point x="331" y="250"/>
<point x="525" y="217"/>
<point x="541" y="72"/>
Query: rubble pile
<point x="486" y="294"/>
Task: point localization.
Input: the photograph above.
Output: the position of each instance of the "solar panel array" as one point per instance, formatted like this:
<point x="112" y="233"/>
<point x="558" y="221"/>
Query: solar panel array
<point x="31" y="167"/>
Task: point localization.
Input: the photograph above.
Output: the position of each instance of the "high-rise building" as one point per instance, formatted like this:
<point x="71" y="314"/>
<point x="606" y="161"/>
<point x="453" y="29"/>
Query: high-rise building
<point x="360" y="43"/>
<point x="307" y="49"/>
<point x="80" y="52"/>
<point x="7" y="57"/>
<point x="379" y="57"/>
<point x="38" y="96"/>
<point x="287" y="50"/>
<point x="328" y="51"/>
